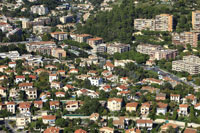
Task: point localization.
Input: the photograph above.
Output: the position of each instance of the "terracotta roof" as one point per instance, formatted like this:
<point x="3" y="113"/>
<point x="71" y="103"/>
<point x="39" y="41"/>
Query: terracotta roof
<point x="95" y="39"/>
<point x="108" y="63"/>
<point x="197" y="105"/>
<point x="143" y="121"/>
<point x="42" y="43"/>
<point x="10" y="103"/>
<point x="38" y="102"/>
<point x="12" y="63"/>
<point x="32" y="76"/>
<point x="54" y="103"/>
<point x="190" y="130"/>
<point x="94" y="115"/>
<point x="162" y="105"/>
<point x="3" y="66"/>
<point x="92" y="71"/>
<point x="60" y="93"/>
<point x="83" y="35"/>
<point x="123" y="87"/>
<point x="133" y="130"/>
<point x="146" y="104"/>
<point x="52" y="130"/>
<point x="20" y="76"/>
<point x="54" y="33"/>
<point x="106" y="128"/>
<point x="25" y="105"/>
<point x="69" y="86"/>
<point x="191" y="97"/>
<point x="183" y="106"/>
<point x="49" y="117"/>
<point x="115" y="99"/>
<point x="25" y="84"/>
<point x="175" y="95"/>
<point x="2" y="88"/>
<point x="168" y="125"/>
<point x="71" y="102"/>
<point x="133" y="104"/>
<point x="80" y="131"/>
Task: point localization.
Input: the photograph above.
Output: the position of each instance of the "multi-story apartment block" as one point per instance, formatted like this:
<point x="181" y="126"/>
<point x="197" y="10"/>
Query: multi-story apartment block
<point x="59" y="35"/>
<point x="39" y="9"/>
<point x="156" y="52"/>
<point x="93" y="42"/>
<point x="196" y="20"/>
<point x="35" y="46"/>
<point x="117" y="48"/>
<point x="65" y="19"/>
<point x="185" y="38"/>
<point x="164" y="22"/>
<point x="114" y="104"/>
<point x="31" y="93"/>
<point x="190" y="64"/>
<point x="82" y="38"/>
<point x="144" y="24"/>
<point x="58" y="53"/>
<point x="41" y="29"/>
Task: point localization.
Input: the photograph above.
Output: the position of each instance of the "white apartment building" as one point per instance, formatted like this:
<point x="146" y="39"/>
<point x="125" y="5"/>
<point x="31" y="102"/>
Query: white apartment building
<point x="39" y="9"/>
<point x="190" y="64"/>
<point x="144" y="24"/>
<point x="96" y="81"/>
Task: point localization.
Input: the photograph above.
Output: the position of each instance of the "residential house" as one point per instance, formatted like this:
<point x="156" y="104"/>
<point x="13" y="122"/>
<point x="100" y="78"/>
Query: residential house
<point x="92" y="73"/>
<point x="96" y="81"/>
<point x="22" y="121"/>
<point x="94" y="116"/>
<point x="49" y="119"/>
<point x="175" y="97"/>
<point x="145" y="108"/>
<point x="12" y="64"/>
<point x="161" y="108"/>
<point x="183" y="110"/>
<point x="52" y="77"/>
<point x="73" y="71"/>
<point x="166" y="126"/>
<point x="106" y="73"/>
<point x="106" y="88"/>
<point x="68" y="87"/>
<point x="19" y="78"/>
<point x="54" y="105"/>
<point x="13" y="93"/>
<point x="31" y="93"/>
<point x="190" y="98"/>
<point x="114" y="104"/>
<point x="60" y="94"/>
<point x="122" y="88"/>
<point x="25" y="86"/>
<point x="160" y="96"/>
<point x="38" y="104"/>
<point x="131" y="106"/>
<point x="3" y="91"/>
<point x="56" y="85"/>
<point x="109" y="66"/>
<point x="72" y="105"/>
<point x="24" y="107"/>
<point x="10" y="106"/>
<point x="140" y="123"/>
